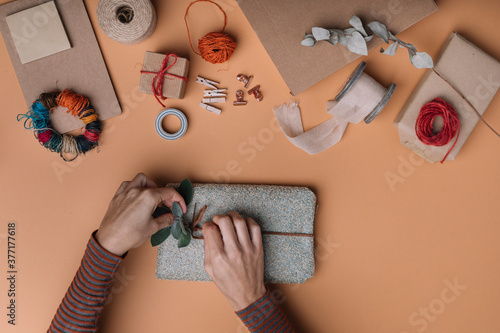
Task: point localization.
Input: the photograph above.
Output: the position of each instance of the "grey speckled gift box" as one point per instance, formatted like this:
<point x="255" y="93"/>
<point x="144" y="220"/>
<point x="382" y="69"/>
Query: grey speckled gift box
<point x="288" y="209"/>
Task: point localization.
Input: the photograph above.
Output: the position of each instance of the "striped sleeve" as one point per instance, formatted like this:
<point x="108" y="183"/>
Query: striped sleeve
<point x="265" y="315"/>
<point x="82" y="305"/>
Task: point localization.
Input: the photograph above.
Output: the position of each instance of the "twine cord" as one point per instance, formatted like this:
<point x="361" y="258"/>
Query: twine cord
<point x="425" y="120"/>
<point x="197" y="217"/>
<point x="157" y="84"/>
<point x="214" y="47"/>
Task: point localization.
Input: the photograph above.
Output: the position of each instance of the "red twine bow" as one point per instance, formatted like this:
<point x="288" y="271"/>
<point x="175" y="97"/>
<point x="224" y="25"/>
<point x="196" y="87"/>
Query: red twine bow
<point x="157" y="84"/>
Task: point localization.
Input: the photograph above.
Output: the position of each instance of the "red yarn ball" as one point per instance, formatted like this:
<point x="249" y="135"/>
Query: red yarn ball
<point x="216" y="47"/>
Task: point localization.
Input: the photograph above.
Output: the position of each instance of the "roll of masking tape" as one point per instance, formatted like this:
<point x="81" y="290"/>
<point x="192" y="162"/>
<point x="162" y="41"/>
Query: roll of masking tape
<point x="171" y="136"/>
<point x="127" y="21"/>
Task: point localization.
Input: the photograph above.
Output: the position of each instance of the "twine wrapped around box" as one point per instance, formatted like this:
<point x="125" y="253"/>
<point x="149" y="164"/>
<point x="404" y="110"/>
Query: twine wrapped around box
<point x="464" y="76"/>
<point x="164" y="75"/>
<point x="280" y="209"/>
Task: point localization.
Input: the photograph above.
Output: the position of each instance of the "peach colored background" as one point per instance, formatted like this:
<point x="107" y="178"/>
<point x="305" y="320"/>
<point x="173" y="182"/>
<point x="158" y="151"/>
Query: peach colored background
<point x="382" y="253"/>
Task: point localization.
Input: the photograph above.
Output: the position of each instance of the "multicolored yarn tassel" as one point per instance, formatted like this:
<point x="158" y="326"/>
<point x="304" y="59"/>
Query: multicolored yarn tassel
<point x="69" y="147"/>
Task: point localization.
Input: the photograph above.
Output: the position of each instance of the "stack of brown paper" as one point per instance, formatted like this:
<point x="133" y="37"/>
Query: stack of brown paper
<point x="282" y="24"/>
<point x="80" y="68"/>
<point x="463" y="74"/>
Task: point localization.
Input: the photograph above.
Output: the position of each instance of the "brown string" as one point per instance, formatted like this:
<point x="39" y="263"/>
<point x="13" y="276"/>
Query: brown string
<point x="467" y="101"/>
<point x="197" y="219"/>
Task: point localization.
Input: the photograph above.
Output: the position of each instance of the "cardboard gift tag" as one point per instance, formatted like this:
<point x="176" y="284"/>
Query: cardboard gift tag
<point x="462" y="73"/>
<point x="172" y="87"/>
<point x="285" y="209"/>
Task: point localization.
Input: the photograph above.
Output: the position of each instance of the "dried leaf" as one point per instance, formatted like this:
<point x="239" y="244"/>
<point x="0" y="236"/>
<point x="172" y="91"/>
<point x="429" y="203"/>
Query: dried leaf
<point x="320" y="33"/>
<point x="368" y="38"/>
<point x="341" y="36"/>
<point x="421" y="60"/>
<point x="308" y="41"/>
<point x="356" y="43"/>
<point x="380" y="30"/>
<point x="391" y="50"/>
<point x="350" y="31"/>
<point x="356" y="23"/>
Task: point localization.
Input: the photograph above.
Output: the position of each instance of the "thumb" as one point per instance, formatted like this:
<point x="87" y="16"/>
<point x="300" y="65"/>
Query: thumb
<point x="162" y="221"/>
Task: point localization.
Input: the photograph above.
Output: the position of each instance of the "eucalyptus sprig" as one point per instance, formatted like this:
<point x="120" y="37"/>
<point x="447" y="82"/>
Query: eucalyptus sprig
<point x="178" y="230"/>
<point x="355" y="40"/>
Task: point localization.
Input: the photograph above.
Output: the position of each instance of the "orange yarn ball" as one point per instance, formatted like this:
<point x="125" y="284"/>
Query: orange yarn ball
<point x="216" y="47"/>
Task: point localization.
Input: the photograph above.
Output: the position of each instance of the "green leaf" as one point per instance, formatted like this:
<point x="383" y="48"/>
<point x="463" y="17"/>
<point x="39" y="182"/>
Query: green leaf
<point x="186" y="190"/>
<point x="160" y="236"/>
<point x="176" y="209"/>
<point x="160" y="210"/>
<point x="185" y="239"/>
<point x="177" y="229"/>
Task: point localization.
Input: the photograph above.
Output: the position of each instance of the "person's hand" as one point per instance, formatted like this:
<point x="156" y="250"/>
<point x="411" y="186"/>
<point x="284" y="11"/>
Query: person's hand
<point x="128" y="222"/>
<point x="235" y="261"/>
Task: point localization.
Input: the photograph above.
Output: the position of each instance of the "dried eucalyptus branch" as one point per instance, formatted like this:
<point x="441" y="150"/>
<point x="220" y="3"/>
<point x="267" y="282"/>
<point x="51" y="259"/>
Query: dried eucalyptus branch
<point x="355" y="40"/>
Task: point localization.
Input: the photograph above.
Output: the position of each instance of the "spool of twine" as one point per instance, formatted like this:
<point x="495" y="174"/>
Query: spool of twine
<point x="127" y="21"/>
<point x="214" y="47"/>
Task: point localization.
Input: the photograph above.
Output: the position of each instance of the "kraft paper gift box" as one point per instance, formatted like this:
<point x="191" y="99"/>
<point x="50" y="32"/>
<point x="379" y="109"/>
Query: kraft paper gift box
<point x="284" y="209"/>
<point x="172" y="87"/>
<point x="282" y="24"/>
<point x="462" y="70"/>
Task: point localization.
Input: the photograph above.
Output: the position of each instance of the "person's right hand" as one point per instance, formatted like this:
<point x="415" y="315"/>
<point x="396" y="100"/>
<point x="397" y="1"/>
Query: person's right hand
<point x="235" y="261"/>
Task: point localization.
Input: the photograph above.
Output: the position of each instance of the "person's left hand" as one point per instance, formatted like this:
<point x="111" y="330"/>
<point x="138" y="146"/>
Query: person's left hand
<point x="128" y="223"/>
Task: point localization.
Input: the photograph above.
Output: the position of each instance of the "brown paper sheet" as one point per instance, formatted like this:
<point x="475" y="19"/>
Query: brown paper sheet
<point x="470" y="71"/>
<point x="281" y="25"/>
<point x="81" y="68"/>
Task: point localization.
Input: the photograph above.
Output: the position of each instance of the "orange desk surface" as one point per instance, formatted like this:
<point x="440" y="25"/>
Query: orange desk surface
<point x="387" y="253"/>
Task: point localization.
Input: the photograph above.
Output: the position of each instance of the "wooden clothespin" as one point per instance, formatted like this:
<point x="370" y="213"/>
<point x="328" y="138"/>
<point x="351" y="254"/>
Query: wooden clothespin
<point x="206" y="82"/>
<point x="210" y="108"/>
<point x="214" y="93"/>
<point x="214" y="100"/>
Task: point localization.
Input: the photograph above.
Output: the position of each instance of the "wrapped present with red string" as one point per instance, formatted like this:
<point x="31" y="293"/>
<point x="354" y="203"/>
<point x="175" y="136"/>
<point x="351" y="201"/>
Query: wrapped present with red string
<point x="164" y="76"/>
<point x="449" y="101"/>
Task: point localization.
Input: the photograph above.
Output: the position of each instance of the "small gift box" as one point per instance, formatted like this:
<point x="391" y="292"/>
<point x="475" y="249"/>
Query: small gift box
<point x="164" y="75"/>
<point x="284" y="213"/>
<point x="464" y="76"/>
